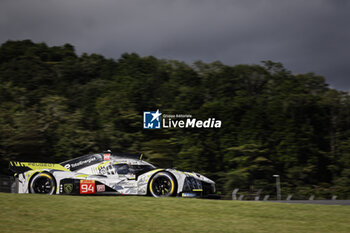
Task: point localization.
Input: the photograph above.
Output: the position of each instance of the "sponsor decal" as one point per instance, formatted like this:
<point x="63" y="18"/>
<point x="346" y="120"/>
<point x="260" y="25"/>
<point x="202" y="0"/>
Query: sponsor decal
<point x="100" y="188"/>
<point x="151" y="120"/>
<point x="87" y="186"/>
<point x="40" y="164"/>
<point x="73" y="165"/>
<point x="106" y="156"/>
<point x="68" y="188"/>
<point x="67" y="166"/>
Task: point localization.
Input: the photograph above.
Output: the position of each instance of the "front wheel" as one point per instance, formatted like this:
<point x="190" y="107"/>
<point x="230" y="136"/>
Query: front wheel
<point x="42" y="183"/>
<point x="162" y="185"/>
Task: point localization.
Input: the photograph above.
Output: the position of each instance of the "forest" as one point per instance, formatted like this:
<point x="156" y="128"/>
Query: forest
<point x="56" y="105"/>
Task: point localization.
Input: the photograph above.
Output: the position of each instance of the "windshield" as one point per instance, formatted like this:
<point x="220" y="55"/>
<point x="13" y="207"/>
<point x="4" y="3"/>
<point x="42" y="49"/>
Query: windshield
<point x="124" y="168"/>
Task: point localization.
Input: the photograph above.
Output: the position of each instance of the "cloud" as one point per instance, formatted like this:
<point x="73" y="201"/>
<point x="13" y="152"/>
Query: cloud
<point x="304" y="35"/>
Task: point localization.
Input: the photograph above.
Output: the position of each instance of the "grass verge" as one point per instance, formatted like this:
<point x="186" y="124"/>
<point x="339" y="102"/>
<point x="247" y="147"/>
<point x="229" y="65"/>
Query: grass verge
<point x="41" y="213"/>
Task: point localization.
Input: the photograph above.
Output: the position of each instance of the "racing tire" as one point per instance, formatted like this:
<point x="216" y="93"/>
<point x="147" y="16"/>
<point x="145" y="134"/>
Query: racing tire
<point x="42" y="183"/>
<point x="163" y="184"/>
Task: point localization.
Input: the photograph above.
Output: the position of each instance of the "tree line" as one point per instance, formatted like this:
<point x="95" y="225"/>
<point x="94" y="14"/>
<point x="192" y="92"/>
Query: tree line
<point x="56" y="105"/>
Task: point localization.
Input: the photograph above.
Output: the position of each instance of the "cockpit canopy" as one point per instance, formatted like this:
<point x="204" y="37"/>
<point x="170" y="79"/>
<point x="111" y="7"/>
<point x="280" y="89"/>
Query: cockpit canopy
<point x="124" y="169"/>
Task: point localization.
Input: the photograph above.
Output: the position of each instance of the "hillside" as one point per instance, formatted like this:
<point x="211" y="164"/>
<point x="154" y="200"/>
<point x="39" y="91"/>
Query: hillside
<point x="56" y="105"/>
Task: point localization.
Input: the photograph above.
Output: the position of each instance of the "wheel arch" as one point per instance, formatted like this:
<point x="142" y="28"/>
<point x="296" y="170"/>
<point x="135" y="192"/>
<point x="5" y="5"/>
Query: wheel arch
<point x="30" y="180"/>
<point x="42" y="172"/>
<point x="168" y="172"/>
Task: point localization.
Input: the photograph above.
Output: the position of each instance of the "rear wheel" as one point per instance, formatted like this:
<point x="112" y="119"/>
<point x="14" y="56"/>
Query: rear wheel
<point x="42" y="183"/>
<point x="162" y="185"/>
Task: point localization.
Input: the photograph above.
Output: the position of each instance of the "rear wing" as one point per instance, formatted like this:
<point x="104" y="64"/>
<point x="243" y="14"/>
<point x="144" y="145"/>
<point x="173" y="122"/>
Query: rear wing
<point x="21" y="167"/>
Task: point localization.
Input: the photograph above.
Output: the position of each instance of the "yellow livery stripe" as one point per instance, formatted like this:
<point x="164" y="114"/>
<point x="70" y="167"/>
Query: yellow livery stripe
<point x="36" y="166"/>
<point x="197" y="190"/>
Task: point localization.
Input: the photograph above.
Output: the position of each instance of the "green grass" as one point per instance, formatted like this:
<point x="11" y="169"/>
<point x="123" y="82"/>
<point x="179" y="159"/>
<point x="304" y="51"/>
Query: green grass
<point x="40" y="213"/>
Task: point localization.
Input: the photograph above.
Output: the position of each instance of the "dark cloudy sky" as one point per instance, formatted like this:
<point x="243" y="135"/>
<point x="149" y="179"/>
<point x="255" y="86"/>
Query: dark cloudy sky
<point x="305" y="35"/>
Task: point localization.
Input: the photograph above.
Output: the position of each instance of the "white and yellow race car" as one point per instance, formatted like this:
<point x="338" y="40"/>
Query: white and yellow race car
<point x="107" y="173"/>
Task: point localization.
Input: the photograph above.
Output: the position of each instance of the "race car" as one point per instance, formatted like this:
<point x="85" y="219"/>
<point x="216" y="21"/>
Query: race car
<point x="108" y="173"/>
